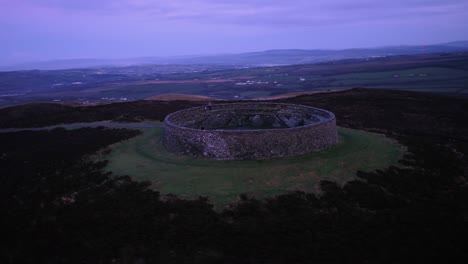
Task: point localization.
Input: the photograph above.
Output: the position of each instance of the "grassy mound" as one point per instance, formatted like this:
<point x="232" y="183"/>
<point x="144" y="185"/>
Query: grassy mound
<point x="144" y="158"/>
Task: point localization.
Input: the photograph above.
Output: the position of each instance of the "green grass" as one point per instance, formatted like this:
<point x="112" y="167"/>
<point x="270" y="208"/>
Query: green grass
<point x="144" y="158"/>
<point x="255" y="94"/>
<point x="416" y="75"/>
<point x="435" y="79"/>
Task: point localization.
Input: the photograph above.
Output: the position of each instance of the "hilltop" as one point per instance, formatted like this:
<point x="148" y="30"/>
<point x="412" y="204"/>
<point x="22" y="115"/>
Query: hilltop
<point x="68" y="184"/>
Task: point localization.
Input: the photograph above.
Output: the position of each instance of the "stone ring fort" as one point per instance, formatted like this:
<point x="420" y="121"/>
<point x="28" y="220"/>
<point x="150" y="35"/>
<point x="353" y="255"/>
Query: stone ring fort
<point x="249" y="131"/>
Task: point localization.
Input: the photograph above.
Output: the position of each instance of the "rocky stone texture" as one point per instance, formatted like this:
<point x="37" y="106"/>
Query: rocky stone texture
<point x="249" y="131"/>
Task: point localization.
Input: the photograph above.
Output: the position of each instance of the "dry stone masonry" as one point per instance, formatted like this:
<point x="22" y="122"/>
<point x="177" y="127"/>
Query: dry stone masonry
<point x="249" y="131"/>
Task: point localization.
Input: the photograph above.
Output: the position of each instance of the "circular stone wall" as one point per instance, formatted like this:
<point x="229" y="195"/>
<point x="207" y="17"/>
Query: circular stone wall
<point x="249" y="131"/>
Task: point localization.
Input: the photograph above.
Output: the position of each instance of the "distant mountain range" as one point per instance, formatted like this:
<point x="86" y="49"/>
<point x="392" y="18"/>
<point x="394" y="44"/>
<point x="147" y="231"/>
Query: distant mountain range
<point x="262" y="58"/>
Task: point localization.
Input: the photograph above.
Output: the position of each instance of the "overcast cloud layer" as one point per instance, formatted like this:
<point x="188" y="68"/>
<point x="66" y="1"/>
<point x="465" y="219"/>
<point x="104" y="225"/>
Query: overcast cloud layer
<point x="58" y="29"/>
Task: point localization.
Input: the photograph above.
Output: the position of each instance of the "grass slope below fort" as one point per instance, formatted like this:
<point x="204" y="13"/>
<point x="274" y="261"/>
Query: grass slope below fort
<point x="144" y="158"/>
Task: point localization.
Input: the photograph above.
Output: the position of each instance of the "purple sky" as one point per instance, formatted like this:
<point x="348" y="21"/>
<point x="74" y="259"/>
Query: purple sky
<point x="33" y="30"/>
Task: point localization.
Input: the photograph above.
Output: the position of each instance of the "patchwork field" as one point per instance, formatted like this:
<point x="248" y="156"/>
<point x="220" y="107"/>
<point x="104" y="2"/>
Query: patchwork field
<point x="446" y="74"/>
<point x="144" y="158"/>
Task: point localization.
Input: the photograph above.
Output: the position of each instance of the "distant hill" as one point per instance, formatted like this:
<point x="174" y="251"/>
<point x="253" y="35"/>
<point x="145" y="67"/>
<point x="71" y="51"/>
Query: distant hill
<point x="297" y="56"/>
<point x="262" y="58"/>
<point x="80" y="63"/>
<point x="462" y="44"/>
<point x="182" y="97"/>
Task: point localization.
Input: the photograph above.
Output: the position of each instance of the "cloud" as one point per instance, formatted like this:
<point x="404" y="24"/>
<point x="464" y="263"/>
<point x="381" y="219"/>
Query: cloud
<point x="261" y="12"/>
<point x="119" y="28"/>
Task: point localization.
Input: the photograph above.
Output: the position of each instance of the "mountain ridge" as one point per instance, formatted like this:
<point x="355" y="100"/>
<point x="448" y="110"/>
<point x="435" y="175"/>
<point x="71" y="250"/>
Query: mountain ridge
<point x="273" y="57"/>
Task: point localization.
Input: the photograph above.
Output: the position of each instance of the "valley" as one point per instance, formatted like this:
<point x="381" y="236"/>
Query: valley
<point x="445" y="73"/>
